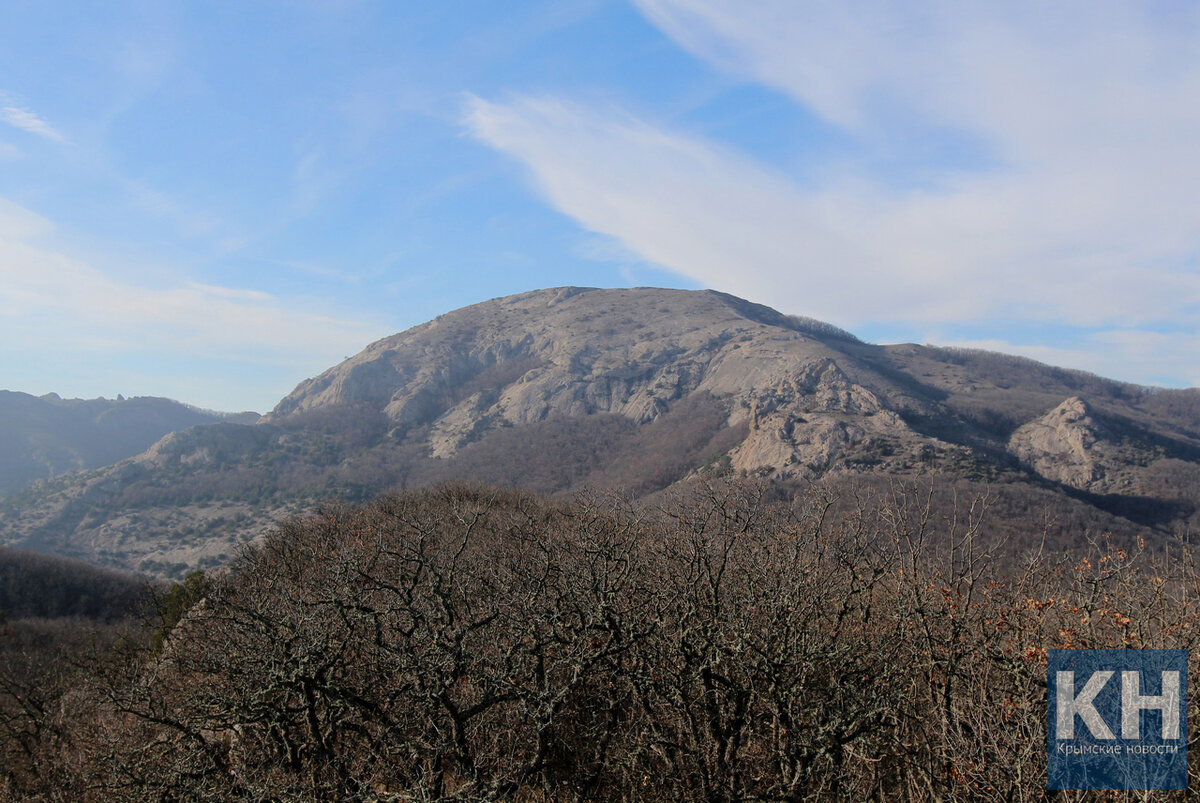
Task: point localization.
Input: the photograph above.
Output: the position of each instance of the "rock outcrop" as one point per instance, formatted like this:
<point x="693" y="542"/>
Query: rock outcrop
<point x="1075" y="446"/>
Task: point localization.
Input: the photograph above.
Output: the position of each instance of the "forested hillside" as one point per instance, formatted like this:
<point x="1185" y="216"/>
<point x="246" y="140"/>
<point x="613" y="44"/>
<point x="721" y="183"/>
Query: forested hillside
<point x="37" y="586"/>
<point x="482" y="644"/>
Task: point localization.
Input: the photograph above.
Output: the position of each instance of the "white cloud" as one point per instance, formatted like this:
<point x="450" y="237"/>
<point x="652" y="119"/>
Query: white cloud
<point x="26" y="120"/>
<point x="674" y="201"/>
<point x="851" y="251"/>
<point x="1032" y="76"/>
<point x="18" y="223"/>
<point x="70" y="296"/>
<point x="1080" y="212"/>
<point x="52" y="306"/>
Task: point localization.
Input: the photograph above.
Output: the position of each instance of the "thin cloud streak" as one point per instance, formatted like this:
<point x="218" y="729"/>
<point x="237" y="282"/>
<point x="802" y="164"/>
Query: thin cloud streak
<point x="37" y="284"/>
<point x="26" y="120"/>
<point x="55" y="306"/>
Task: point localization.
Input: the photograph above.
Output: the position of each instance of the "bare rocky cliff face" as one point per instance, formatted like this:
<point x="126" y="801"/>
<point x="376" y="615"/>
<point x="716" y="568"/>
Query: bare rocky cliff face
<point x="1062" y="444"/>
<point x="575" y="352"/>
<point x="521" y="359"/>
<point x="635" y="390"/>
<point x="1080" y="448"/>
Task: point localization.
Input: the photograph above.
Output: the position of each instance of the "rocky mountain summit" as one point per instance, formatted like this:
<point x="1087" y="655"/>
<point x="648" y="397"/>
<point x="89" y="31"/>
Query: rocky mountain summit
<point x="634" y="390"/>
<point x="573" y="352"/>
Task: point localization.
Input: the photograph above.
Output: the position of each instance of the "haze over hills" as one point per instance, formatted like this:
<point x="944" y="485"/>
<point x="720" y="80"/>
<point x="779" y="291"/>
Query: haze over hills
<point x="44" y="436"/>
<point x="636" y="390"/>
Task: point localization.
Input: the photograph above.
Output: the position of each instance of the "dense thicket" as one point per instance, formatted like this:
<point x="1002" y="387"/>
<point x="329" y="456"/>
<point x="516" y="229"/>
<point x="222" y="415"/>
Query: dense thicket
<point x="473" y="644"/>
<point x="33" y="585"/>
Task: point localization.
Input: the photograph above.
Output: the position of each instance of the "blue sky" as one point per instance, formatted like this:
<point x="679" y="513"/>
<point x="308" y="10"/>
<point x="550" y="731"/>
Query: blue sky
<point x="213" y="200"/>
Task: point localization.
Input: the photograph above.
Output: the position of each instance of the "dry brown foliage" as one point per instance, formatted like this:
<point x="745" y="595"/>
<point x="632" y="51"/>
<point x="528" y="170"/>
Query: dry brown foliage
<point x="467" y="643"/>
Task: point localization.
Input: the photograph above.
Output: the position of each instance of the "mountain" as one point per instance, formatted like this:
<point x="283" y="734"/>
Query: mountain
<point x="44" y="436"/>
<point x="637" y="390"/>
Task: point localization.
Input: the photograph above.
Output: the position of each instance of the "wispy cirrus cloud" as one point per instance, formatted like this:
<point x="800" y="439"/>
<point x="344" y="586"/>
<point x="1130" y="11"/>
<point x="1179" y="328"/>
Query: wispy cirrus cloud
<point x="20" y="117"/>
<point x="40" y="283"/>
<point x="1074" y="206"/>
<point x="54" y="306"/>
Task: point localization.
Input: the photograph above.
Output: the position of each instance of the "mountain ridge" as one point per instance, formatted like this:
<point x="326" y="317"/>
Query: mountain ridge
<point x="635" y="390"/>
<point x="45" y="436"/>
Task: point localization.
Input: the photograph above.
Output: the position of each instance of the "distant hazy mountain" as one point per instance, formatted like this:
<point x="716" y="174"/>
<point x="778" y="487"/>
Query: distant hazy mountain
<point x="636" y="390"/>
<point x="46" y="436"/>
